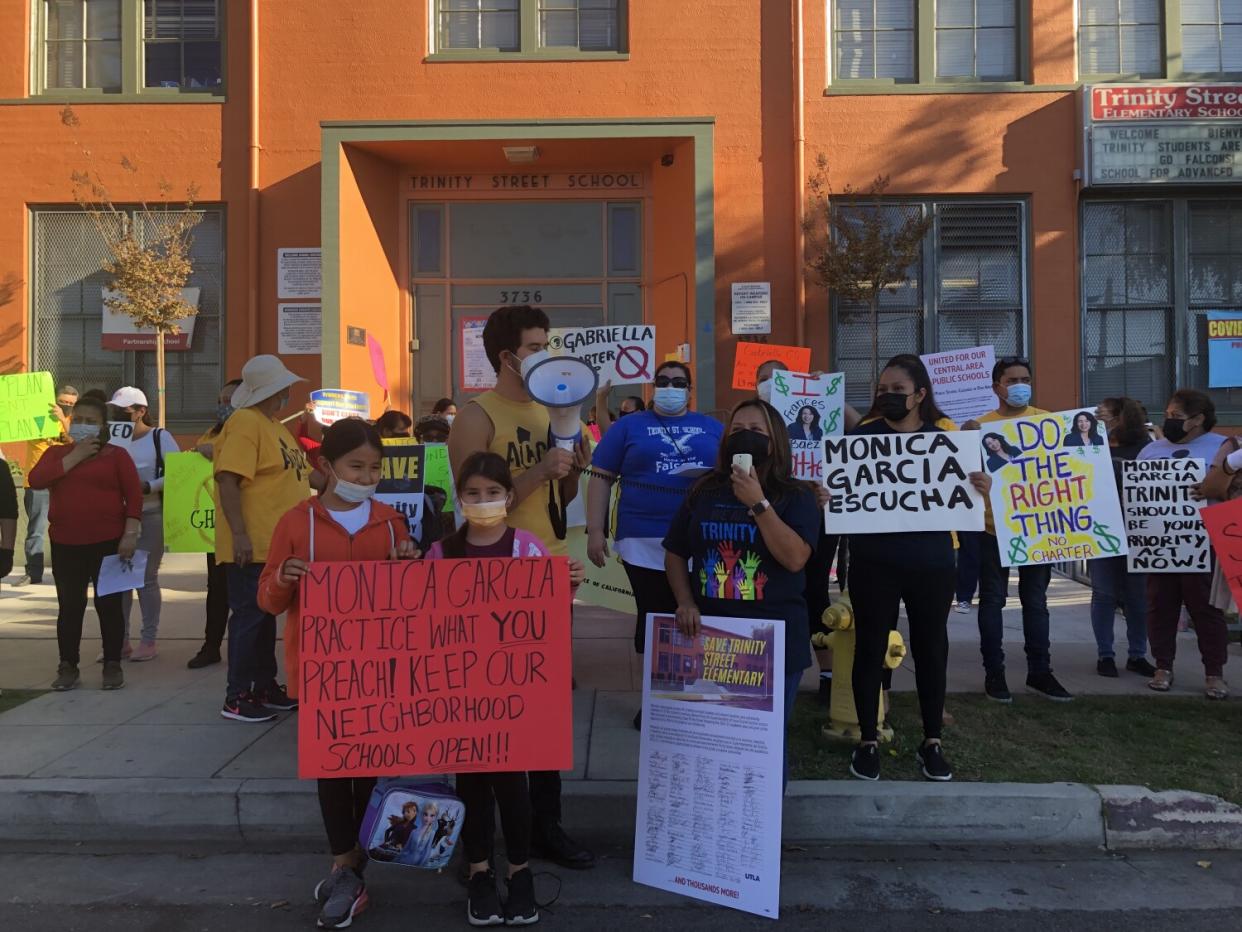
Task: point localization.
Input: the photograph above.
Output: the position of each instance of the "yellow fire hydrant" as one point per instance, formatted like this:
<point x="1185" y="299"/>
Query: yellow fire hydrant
<point x="843" y="717"/>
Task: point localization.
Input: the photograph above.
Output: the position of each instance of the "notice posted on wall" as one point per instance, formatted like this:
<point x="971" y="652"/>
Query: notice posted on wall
<point x="812" y="407"/>
<point x="299" y="329"/>
<point x="886" y="483"/>
<point x="711" y="762"/>
<point x="298" y="272"/>
<point x="962" y="381"/>
<point x="476" y="373"/>
<point x="622" y="355"/>
<point x="435" y="666"/>
<point x="752" y="307"/>
<point x="1054" y="495"/>
<point x="1164" y="527"/>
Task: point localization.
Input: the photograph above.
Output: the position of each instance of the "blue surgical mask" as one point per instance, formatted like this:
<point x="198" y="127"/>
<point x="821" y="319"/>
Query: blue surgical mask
<point x="223" y="412"/>
<point x="1019" y="395"/>
<point x="80" y="432"/>
<point x="670" y="400"/>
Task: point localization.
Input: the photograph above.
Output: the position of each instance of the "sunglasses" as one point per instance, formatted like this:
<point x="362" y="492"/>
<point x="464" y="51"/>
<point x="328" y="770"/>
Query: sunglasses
<point x="663" y="381"/>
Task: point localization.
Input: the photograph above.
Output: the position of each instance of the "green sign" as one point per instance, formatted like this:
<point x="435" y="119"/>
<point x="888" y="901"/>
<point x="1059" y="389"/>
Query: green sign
<point x="189" y="505"/>
<point x="26" y="401"/>
<point x="438" y="471"/>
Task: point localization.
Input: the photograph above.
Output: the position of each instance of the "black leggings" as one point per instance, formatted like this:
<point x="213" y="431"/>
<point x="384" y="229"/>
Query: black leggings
<point x="876" y="593"/>
<point x="217" y="604"/>
<point x="481" y="793"/>
<point x="652" y="594"/>
<point x="76" y="566"/>
<point x="343" y="802"/>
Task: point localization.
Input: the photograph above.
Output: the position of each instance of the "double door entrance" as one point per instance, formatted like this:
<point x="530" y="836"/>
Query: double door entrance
<point x="582" y="261"/>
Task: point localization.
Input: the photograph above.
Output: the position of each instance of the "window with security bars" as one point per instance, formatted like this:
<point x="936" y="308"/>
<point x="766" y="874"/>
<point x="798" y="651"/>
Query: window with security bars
<point x="977" y="39"/>
<point x="68" y="286"/>
<point x="875" y="39"/>
<point x="82" y="44"/>
<point x="1211" y="36"/>
<point x="968" y="288"/>
<point x="1121" y="37"/>
<point x="181" y="43"/>
<point x="1152" y="270"/>
<point x="529" y="26"/>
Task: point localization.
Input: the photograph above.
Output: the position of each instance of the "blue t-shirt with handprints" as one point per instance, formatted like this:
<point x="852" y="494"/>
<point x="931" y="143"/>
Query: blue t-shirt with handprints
<point x="658" y="458"/>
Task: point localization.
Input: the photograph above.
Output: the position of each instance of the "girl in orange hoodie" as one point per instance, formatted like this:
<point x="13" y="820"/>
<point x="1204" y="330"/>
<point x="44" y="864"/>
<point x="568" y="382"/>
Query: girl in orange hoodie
<point x="343" y="523"/>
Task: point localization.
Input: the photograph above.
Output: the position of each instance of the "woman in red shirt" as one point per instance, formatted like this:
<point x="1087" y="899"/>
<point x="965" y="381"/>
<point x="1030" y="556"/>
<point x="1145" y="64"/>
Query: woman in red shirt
<point x="96" y="511"/>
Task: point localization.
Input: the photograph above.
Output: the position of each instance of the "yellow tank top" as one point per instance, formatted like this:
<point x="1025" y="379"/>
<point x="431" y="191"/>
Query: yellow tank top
<point x="520" y="435"/>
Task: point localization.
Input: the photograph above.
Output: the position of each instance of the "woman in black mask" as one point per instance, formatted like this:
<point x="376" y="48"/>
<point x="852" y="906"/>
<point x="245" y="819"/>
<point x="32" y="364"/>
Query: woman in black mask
<point x="916" y="567"/>
<point x="738" y="544"/>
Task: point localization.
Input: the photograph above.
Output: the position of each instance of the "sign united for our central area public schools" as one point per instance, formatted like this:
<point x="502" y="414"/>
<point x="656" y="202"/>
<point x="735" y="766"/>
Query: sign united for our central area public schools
<point x="1054" y="496"/>
<point x="887" y="483"/>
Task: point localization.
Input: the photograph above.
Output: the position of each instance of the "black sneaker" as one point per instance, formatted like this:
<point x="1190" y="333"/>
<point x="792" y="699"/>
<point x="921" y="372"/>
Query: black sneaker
<point x="1140" y="666"/>
<point x="865" y="762"/>
<point x="1046" y="685"/>
<point x="934" y="766"/>
<point x="204" y="658"/>
<point x="549" y="841"/>
<point x="997" y="689"/>
<point x="521" y="908"/>
<point x="344" y="898"/>
<point x="1107" y="666"/>
<point x="825" y="690"/>
<point x="275" y="697"/>
<point x="67" y="676"/>
<point x="245" y="709"/>
<point x="483" y="901"/>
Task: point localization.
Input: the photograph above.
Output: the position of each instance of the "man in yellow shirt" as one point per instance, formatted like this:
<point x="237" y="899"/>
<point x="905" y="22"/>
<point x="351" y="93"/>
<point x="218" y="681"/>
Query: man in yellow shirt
<point x="35" y="501"/>
<point x="1011" y="380"/>
<point x="261" y="473"/>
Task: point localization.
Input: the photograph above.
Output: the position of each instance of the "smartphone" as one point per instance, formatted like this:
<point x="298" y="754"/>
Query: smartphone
<point x="745" y="460"/>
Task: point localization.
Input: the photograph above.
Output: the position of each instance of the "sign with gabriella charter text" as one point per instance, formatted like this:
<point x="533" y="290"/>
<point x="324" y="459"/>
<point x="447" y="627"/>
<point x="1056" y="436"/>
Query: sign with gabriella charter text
<point x="435" y="666"/>
<point x="1054" y="496"/>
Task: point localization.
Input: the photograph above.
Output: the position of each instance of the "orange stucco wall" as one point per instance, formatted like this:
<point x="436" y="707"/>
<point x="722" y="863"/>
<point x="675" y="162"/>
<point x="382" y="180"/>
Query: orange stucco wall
<point x="731" y="60"/>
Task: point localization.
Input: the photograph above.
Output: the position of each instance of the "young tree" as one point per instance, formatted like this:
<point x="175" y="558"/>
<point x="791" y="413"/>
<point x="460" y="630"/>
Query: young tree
<point x="150" y="254"/>
<point x="858" y="246"/>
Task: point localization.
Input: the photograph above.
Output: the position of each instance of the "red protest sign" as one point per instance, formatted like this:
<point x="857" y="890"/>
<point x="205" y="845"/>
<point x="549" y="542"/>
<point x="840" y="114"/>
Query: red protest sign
<point x="750" y="356"/>
<point x="1224" y="527"/>
<point x="435" y="666"/>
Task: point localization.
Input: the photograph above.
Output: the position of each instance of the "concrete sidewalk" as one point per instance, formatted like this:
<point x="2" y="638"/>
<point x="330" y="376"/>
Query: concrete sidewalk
<point x="162" y="735"/>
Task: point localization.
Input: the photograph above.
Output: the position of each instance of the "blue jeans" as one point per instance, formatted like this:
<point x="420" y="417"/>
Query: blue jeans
<point x="993" y="591"/>
<point x="967" y="564"/>
<point x="1110" y="584"/>
<point x="791" y="694"/>
<point x="35" y="502"/>
<point x="252" y="633"/>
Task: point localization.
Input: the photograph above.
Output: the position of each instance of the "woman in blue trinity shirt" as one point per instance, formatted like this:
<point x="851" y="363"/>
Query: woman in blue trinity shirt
<point x="655" y="454"/>
<point x="738" y="545"/>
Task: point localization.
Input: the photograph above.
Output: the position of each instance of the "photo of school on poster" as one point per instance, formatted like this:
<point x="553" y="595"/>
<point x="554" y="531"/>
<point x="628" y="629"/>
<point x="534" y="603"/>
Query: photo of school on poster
<point x="710" y="766"/>
<point x="1054" y="495"/>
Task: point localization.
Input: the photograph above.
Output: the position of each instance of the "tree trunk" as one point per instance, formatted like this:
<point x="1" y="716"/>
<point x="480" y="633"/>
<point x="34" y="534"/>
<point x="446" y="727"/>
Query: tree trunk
<point x="159" y="375"/>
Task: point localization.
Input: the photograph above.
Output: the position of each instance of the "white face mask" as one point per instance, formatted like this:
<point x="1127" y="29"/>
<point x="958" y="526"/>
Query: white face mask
<point x="352" y="492"/>
<point x="764" y="390"/>
<point x="449" y="418"/>
<point x="485" y="514"/>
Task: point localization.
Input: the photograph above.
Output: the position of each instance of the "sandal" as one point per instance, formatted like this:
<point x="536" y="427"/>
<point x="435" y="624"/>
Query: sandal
<point x="1216" y="688"/>
<point x="1162" y="682"/>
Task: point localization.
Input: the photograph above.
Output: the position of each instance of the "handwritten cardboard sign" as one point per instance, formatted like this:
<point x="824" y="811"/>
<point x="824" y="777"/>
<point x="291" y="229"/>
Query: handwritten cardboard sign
<point x="1164" y="531"/>
<point x="623" y="355"/>
<point x="1224" y="527"/>
<point x="403" y="479"/>
<point x="435" y="666"/>
<point x="26" y="400"/>
<point x="189" y="505"/>
<point x="1054" y="496"/>
<point x="750" y="356"/>
<point x="812" y="408"/>
<point x="882" y="483"/>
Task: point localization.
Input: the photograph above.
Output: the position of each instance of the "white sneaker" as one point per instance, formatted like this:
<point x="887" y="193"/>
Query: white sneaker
<point x="963" y="608"/>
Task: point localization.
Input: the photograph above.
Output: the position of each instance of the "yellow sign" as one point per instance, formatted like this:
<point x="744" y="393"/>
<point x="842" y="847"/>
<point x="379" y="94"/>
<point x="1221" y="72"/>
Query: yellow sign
<point x="189" y="509"/>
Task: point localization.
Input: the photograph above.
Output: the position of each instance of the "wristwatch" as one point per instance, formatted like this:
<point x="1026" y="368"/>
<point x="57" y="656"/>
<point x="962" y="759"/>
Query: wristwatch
<point x="760" y="507"/>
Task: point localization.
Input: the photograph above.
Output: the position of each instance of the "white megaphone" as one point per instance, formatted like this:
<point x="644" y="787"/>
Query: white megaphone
<point x="562" y="384"/>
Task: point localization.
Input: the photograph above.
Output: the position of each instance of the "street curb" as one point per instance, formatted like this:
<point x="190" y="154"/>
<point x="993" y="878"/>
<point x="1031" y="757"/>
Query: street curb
<point x="260" y="811"/>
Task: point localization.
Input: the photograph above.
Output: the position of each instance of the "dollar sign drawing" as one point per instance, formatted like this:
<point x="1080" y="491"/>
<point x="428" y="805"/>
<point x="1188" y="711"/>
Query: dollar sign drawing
<point x="833" y="417"/>
<point x="781" y="385"/>
<point x="1017" y="551"/>
<point x="1108" y="543"/>
<point x="834" y="385"/>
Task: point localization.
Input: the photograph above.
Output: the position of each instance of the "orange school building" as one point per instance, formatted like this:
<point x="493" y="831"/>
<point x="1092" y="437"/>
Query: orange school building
<point x="622" y="162"/>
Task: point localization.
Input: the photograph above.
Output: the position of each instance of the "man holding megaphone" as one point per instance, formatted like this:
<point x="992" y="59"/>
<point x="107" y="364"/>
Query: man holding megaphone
<point x="531" y="419"/>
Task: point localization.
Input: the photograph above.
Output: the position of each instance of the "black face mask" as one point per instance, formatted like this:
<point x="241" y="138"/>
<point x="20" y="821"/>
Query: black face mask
<point x="749" y="441"/>
<point x="1175" y="429"/>
<point x="891" y="406"/>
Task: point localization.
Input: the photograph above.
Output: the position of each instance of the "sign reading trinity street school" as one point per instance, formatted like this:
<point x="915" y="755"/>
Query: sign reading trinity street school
<point x="1164" y="134"/>
<point x="528" y="181"/>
